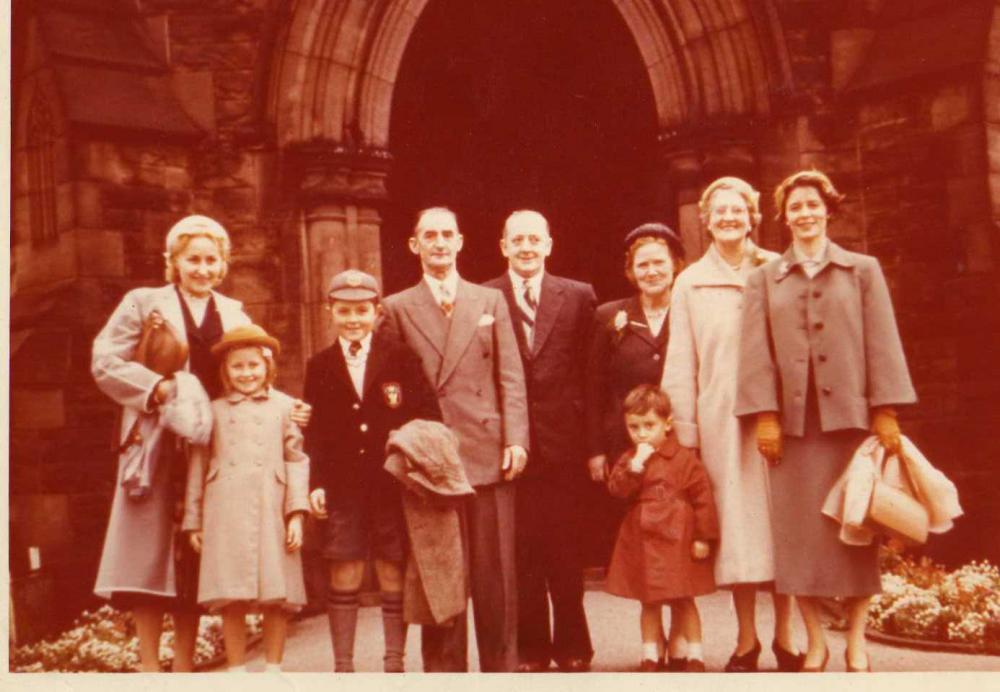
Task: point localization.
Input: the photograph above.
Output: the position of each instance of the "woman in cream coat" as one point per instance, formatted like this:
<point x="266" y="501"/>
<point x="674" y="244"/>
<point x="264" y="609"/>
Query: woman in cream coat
<point x="700" y="378"/>
<point x="139" y="568"/>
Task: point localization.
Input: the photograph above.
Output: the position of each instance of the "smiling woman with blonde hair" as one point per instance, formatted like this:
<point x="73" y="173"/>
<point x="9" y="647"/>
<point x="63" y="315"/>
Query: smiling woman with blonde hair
<point x="700" y="378"/>
<point x="821" y="364"/>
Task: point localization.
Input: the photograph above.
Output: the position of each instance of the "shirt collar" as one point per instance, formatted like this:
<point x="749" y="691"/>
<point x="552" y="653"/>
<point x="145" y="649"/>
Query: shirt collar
<point x="235" y="397"/>
<point x="800" y="257"/>
<point x="518" y="281"/>
<point x="366" y="346"/>
<point x="449" y="282"/>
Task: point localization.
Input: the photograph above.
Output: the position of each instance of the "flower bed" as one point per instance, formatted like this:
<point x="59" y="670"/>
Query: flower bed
<point x="104" y="641"/>
<point x="925" y="601"/>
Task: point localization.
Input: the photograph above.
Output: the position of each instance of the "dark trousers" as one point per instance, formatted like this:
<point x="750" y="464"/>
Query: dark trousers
<point x="488" y="545"/>
<point x="550" y="565"/>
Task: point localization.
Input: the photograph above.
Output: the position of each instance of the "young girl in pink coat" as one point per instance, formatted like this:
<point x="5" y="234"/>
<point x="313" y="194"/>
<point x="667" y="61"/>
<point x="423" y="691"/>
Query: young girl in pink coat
<point x="664" y="543"/>
<point x="247" y="496"/>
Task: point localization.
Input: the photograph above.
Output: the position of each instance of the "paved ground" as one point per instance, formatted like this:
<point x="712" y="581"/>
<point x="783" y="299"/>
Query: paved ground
<point x="615" y="632"/>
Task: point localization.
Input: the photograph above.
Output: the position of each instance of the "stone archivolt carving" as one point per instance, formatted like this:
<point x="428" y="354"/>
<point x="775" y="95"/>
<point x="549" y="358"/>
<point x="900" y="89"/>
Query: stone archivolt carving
<point x="331" y="171"/>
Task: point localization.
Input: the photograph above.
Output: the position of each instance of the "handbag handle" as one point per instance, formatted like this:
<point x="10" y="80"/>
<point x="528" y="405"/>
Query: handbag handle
<point x="904" y="470"/>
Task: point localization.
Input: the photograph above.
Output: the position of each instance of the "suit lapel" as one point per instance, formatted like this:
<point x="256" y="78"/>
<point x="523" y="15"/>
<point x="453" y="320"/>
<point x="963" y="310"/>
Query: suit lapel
<point x="337" y="367"/>
<point x="551" y="302"/>
<point x="637" y="322"/>
<point x="426" y="316"/>
<point x="376" y="361"/>
<point x="464" y="320"/>
<point x="168" y="304"/>
<point x="516" y="316"/>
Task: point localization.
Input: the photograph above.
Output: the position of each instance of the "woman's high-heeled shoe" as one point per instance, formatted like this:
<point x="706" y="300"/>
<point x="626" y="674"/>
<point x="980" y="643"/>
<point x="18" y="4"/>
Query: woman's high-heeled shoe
<point x="851" y="669"/>
<point x="787" y="661"/>
<point x="744" y="663"/>
<point x="821" y="667"/>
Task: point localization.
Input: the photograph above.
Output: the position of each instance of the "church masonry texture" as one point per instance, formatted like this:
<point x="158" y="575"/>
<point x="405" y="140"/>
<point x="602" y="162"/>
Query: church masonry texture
<point x="275" y="118"/>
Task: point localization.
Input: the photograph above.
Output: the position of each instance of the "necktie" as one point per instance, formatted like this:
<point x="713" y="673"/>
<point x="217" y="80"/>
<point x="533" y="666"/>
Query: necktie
<point x="447" y="303"/>
<point x="354" y="348"/>
<point x="529" y="313"/>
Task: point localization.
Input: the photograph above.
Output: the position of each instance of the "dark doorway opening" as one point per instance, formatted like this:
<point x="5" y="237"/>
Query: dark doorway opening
<point x="508" y="104"/>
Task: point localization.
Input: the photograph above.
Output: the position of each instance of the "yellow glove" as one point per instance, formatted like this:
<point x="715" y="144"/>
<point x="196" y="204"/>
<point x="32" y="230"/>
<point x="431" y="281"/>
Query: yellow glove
<point x="885" y="425"/>
<point x="769" y="436"/>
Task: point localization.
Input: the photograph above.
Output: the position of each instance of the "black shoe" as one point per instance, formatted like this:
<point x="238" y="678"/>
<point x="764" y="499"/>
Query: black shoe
<point x="744" y="663"/>
<point x="787" y="661"/>
<point x="531" y="667"/>
<point x="649" y="666"/>
<point x="573" y="665"/>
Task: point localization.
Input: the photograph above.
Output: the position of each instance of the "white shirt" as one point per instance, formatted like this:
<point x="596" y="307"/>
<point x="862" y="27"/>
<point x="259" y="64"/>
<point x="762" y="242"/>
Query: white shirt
<point x="449" y="283"/>
<point x="517" y="281"/>
<point x="356" y="363"/>
<point x="811" y="265"/>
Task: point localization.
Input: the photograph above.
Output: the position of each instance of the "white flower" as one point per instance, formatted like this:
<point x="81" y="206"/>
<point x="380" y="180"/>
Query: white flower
<point x="621" y="320"/>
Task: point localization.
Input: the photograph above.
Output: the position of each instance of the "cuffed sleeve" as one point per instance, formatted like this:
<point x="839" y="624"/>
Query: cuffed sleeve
<point x="698" y="489"/>
<point x="680" y="371"/>
<point x="757" y="376"/>
<point x="623" y="482"/>
<point x="888" y="376"/>
<point x="296" y="470"/>
<point x="194" y="494"/>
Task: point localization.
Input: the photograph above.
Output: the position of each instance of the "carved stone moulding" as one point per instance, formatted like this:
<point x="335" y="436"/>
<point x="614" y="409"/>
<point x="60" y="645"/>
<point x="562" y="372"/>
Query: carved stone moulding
<point x="323" y="171"/>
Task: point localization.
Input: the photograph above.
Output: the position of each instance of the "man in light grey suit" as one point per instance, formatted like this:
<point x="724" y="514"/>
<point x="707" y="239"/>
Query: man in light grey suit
<point x="465" y="339"/>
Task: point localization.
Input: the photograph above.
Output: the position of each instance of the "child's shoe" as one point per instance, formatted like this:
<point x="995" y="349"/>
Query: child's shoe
<point x="694" y="665"/>
<point x="675" y="665"/>
<point x="648" y="665"/>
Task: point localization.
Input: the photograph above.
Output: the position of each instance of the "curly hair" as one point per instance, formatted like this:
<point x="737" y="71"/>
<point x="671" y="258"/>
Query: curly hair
<point x="812" y="178"/>
<point x="186" y="230"/>
<point x="745" y="190"/>
<point x="646" y="398"/>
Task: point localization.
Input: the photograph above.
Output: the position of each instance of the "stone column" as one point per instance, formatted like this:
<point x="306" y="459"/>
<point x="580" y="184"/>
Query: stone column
<point x="340" y="191"/>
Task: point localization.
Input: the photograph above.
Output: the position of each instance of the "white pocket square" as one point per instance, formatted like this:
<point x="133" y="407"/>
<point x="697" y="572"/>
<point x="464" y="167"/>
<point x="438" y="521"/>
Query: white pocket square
<point x="486" y="320"/>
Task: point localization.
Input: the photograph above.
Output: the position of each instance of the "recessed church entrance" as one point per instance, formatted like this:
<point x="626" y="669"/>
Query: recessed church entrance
<point x="507" y="104"/>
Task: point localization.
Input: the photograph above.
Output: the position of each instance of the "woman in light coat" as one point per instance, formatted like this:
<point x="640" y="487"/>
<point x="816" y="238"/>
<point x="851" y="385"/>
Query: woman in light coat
<point x="821" y="362"/>
<point x="700" y="379"/>
<point x="142" y="568"/>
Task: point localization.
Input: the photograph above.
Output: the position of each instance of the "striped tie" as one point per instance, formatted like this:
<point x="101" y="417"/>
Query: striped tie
<point x="529" y="314"/>
<point x="447" y="303"/>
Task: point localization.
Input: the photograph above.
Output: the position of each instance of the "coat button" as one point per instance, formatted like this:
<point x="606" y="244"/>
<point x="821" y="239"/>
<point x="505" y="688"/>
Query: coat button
<point x="356" y="407"/>
<point x="822" y="358"/>
<point x="818" y="326"/>
<point x="827" y="391"/>
<point x="361" y="452"/>
<point x="656" y="356"/>
<point x="363" y="427"/>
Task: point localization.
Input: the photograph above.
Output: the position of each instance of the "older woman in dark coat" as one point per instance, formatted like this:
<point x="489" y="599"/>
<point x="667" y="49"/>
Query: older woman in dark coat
<point x="821" y="363"/>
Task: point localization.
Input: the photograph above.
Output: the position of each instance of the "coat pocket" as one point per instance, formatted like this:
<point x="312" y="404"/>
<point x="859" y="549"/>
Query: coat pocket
<point x="664" y="520"/>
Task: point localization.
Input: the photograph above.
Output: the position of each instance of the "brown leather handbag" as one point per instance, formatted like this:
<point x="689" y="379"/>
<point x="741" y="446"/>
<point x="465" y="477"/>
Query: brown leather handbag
<point x="160" y="348"/>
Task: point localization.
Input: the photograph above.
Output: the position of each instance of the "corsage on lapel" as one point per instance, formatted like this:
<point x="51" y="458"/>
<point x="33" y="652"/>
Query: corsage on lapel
<point x="392" y="392"/>
<point x="618" y="324"/>
<point x="485" y="320"/>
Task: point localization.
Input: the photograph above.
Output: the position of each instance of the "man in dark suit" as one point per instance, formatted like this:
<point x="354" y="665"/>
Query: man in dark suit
<point x="464" y="337"/>
<point x="553" y="316"/>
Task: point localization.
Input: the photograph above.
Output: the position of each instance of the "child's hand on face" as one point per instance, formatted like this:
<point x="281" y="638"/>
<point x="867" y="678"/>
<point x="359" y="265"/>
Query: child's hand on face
<point x="293" y="533"/>
<point x="317" y="503"/>
<point x="643" y="451"/>
<point x="194" y="538"/>
<point x="700" y="550"/>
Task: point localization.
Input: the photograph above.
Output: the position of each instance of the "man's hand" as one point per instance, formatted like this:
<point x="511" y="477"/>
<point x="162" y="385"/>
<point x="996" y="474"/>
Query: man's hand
<point x="700" y="550"/>
<point x="301" y="413"/>
<point x="194" y="538"/>
<point x="293" y="533"/>
<point x="598" y="465"/>
<point x="317" y="503"/>
<point x="515" y="458"/>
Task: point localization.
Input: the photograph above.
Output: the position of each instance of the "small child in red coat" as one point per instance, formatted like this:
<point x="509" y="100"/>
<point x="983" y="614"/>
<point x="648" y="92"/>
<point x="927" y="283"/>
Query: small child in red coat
<point x="663" y="547"/>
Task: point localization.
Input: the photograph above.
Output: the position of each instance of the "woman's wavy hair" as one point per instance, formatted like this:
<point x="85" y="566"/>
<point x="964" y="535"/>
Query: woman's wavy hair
<point x="814" y="179"/>
<point x="745" y="190"/>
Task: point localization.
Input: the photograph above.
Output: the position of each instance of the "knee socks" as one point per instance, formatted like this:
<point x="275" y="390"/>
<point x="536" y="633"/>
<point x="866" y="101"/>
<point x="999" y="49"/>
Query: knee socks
<point x="395" y="631"/>
<point x="342" y="607"/>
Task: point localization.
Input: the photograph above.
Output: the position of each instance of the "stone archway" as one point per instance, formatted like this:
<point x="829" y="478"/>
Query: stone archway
<point x="331" y="93"/>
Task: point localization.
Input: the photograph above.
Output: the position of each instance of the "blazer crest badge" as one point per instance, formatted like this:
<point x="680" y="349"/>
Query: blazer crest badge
<point x="392" y="392"/>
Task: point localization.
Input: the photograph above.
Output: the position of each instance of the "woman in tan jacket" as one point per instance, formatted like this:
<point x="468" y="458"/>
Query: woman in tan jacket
<point x="821" y="362"/>
<point x="700" y="378"/>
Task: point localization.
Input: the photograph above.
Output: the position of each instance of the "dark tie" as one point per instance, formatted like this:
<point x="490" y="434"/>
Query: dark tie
<point x="529" y="313"/>
<point x="353" y="349"/>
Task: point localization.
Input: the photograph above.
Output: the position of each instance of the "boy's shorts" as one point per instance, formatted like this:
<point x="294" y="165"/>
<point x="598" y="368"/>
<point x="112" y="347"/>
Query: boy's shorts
<point x="357" y="532"/>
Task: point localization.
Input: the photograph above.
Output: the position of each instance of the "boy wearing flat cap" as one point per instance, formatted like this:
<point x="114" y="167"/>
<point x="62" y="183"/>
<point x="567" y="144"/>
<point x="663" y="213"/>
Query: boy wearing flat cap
<point x="364" y="385"/>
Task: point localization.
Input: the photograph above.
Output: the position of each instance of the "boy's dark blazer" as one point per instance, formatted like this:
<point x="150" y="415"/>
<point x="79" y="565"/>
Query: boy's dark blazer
<point x="345" y="439"/>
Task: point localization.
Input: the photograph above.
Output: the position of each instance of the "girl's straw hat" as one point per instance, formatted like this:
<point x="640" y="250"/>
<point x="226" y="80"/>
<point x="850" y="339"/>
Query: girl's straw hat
<point x="247" y="335"/>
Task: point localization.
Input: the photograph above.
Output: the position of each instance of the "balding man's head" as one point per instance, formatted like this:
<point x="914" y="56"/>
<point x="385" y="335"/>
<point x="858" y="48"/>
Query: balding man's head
<point x="526" y="242"/>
